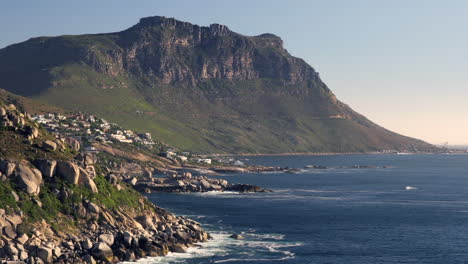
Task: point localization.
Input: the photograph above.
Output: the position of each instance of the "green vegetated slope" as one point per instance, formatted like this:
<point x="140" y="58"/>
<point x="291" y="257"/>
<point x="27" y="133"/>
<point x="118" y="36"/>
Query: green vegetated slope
<point x="17" y="148"/>
<point x="205" y="89"/>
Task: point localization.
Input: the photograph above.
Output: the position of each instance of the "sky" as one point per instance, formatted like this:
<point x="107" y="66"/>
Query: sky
<point x="403" y="64"/>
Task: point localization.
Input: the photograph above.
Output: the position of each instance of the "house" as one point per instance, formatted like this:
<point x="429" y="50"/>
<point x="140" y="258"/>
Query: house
<point x="182" y="158"/>
<point x="165" y="155"/>
<point x="146" y="136"/>
<point x="91" y="150"/>
<point x="206" y="161"/>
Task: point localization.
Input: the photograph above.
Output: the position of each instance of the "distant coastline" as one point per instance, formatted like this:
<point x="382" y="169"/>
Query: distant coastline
<point x="314" y="154"/>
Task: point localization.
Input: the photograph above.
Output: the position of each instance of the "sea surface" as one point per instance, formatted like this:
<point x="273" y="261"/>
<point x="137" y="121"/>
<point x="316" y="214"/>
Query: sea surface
<point x="408" y="209"/>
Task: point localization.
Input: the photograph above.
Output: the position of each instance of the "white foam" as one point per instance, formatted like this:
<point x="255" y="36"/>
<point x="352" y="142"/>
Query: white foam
<point x="213" y="247"/>
<point x="269" y="236"/>
<point x="222" y="246"/>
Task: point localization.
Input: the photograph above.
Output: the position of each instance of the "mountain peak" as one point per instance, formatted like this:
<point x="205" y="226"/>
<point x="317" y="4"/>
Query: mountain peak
<point x="214" y="29"/>
<point x="160" y="21"/>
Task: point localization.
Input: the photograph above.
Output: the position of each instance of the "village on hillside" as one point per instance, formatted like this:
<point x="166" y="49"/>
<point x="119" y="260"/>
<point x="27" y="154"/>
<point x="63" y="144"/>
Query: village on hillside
<point x="88" y="129"/>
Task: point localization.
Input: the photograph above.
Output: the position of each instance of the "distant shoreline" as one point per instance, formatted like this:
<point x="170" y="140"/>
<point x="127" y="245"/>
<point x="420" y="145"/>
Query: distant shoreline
<point x="325" y="154"/>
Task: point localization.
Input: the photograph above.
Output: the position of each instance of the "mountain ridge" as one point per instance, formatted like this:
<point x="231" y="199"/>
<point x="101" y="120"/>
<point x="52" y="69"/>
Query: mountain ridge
<point x="206" y="89"/>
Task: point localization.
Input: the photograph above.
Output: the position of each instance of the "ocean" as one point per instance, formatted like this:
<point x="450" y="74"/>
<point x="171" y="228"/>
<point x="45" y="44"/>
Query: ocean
<point x="394" y="209"/>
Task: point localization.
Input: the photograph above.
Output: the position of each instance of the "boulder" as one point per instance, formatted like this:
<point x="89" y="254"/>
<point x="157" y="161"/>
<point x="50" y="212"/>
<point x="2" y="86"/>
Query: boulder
<point x="93" y="208"/>
<point x="29" y="179"/>
<point x="85" y="179"/>
<point x="89" y="259"/>
<point x="57" y="252"/>
<point x="47" y="167"/>
<point x="112" y="179"/>
<point x="184" y="236"/>
<point x="9" y="232"/>
<point x="15" y="220"/>
<point x="86" y="244"/>
<point x="178" y="248"/>
<point x="91" y="171"/>
<point x="12" y="107"/>
<point x="70" y="172"/>
<point x="205" y="184"/>
<point x="23" y="255"/>
<point x="12" y="250"/>
<point x="73" y="143"/>
<point x="4" y="122"/>
<point x="49" y="145"/>
<point x="2" y="111"/>
<point x="223" y="183"/>
<point x="146" y="221"/>
<point x="216" y="187"/>
<point x="127" y="239"/>
<point x="60" y="143"/>
<point x="17" y="120"/>
<point x="107" y="238"/>
<point x="32" y="132"/>
<point x="180" y="183"/>
<point x="23" y="238"/>
<point x="45" y="254"/>
<point x="102" y="251"/>
<point x="7" y="167"/>
<point x="89" y="159"/>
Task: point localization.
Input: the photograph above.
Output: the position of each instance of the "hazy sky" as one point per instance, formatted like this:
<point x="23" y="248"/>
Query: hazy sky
<point x="402" y="63"/>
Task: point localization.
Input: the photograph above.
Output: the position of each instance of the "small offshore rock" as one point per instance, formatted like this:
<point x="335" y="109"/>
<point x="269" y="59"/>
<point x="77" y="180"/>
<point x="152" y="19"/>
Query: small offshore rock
<point x="237" y="236"/>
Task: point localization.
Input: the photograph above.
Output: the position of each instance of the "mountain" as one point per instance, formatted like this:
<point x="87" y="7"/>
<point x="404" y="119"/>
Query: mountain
<point x="205" y="89"/>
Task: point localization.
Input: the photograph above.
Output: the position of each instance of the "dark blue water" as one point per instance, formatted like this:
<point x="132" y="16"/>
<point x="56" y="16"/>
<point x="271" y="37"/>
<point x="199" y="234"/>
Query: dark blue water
<point x="338" y="215"/>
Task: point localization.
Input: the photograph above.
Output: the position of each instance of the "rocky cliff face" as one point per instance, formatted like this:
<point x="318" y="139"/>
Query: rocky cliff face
<point x="207" y="89"/>
<point x="172" y="51"/>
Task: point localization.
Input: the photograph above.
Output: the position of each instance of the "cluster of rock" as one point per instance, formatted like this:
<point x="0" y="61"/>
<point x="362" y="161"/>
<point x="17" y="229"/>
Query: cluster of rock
<point x="12" y="118"/>
<point x="322" y="167"/>
<point x="124" y="236"/>
<point x="29" y="176"/>
<point x="61" y="143"/>
<point x="185" y="182"/>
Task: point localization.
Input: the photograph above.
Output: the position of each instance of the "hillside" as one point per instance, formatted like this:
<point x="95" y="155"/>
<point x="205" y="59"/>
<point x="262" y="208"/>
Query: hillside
<point x="58" y="205"/>
<point x="204" y="89"/>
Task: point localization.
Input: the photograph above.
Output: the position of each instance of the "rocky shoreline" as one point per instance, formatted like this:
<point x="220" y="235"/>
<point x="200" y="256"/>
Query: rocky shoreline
<point x="187" y="183"/>
<point x="95" y="233"/>
<point x="120" y="238"/>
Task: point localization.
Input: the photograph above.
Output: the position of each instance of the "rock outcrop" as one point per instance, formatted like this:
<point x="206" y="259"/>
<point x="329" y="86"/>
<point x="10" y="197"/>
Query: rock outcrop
<point x="123" y="240"/>
<point x="187" y="183"/>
